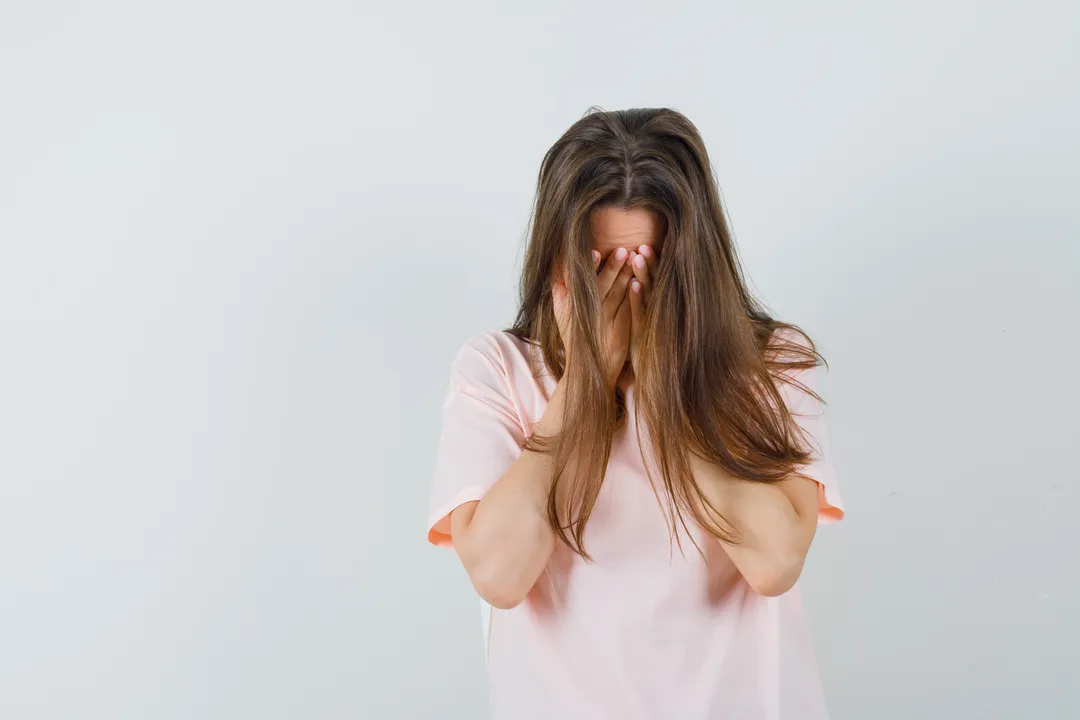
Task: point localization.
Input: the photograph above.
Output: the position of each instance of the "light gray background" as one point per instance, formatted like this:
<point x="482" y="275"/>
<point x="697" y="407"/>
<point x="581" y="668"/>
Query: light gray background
<point x="242" y="241"/>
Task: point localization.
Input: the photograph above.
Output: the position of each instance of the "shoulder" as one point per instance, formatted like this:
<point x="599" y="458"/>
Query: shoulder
<point x="497" y="349"/>
<point x="790" y="351"/>
<point x="494" y="359"/>
<point x="796" y="366"/>
<point x="497" y="346"/>
<point x="788" y="343"/>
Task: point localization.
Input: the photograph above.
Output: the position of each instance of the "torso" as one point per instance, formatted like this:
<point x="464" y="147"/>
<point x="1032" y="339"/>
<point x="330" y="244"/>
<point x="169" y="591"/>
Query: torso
<point x="648" y="629"/>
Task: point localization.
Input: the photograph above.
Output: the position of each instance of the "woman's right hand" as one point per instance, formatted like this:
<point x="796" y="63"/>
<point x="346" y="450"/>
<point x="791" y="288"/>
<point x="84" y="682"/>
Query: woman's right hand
<point x="612" y="283"/>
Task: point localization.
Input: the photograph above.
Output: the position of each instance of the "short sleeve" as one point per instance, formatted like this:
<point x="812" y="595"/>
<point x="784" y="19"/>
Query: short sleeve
<point x="809" y="413"/>
<point x="481" y="435"/>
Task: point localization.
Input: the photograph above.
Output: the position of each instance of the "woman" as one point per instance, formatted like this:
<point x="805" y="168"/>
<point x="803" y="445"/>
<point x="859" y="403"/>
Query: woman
<point x="633" y="473"/>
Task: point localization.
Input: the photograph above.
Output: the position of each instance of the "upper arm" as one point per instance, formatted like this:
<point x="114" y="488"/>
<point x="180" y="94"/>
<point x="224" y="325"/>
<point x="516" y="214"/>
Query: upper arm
<point x="481" y="436"/>
<point x="817" y="495"/>
<point x="802" y="493"/>
<point x="460" y="517"/>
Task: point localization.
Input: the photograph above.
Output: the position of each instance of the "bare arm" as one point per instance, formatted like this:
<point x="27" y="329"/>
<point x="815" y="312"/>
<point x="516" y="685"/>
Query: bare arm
<point x="776" y="523"/>
<point x="504" y="540"/>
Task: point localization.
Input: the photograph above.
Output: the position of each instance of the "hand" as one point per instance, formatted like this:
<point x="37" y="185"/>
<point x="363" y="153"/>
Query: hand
<point x="643" y="263"/>
<point x="613" y="280"/>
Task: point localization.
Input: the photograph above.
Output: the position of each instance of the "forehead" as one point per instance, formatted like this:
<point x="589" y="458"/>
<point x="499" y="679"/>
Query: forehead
<point x="611" y="228"/>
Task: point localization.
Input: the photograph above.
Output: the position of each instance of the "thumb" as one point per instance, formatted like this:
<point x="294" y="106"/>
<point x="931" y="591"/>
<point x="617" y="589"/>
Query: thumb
<point x="558" y="295"/>
<point x="637" y="307"/>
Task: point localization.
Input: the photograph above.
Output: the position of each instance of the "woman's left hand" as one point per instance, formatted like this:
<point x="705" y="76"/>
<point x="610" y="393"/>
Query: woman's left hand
<point x="643" y="263"/>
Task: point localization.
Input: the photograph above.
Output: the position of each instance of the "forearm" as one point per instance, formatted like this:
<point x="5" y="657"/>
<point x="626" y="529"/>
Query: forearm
<point x="774" y="524"/>
<point x="504" y="541"/>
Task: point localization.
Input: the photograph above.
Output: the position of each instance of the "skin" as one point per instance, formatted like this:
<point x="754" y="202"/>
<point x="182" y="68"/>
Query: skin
<point x="504" y="541"/>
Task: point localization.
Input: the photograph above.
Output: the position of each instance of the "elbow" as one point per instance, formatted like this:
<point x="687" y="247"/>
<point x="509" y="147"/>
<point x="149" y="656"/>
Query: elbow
<point x="497" y="588"/>
<point x="775" y="568"/>
<point x="503" y="566"/>
<point x="504" y="579"/>
<point x="775" y="577"/>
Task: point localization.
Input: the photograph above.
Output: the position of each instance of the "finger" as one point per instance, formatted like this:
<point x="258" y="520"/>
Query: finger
<point x="612" y="267"/>
<point x="650" y="257"/>
<point x="618" y="339"/>
<point x="641" y="271"/>
<point x="617" y="294"/>
<point x="622" y="317"/>
<point x="558" y="297"/>
<point x="637" y="307"/>
<point x="595" y="260"/>
<point x="623" y="311"/>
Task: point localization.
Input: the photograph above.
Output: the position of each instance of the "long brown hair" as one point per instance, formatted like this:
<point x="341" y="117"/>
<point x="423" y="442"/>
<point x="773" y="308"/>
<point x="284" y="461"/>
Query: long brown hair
<point x="711" y="355"/>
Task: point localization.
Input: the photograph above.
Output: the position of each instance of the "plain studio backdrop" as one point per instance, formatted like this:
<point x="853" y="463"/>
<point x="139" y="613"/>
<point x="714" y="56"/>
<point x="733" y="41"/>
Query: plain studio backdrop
<point x="241" y="243"/>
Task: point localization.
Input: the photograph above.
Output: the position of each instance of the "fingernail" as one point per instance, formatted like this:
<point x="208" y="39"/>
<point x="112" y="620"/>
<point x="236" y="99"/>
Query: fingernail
<point x="595" y="256"/>
<point x="635" y="286"/>
<point x="645" y="250"/>
<point x="639" y="262"/>
<point x="620" y="254"/>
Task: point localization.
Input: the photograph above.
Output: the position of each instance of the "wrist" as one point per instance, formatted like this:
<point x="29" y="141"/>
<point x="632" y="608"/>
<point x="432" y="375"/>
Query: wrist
<point x="615" y="371"/>
<point x="550" y="423"/>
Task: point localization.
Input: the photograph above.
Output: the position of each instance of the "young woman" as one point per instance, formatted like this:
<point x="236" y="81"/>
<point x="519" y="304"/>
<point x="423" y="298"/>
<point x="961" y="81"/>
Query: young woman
<point x="632" y="474"/>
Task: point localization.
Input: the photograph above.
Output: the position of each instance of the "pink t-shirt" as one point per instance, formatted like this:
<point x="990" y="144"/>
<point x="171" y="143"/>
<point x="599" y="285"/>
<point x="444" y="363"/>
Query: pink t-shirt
<point x="646" y="631"/>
